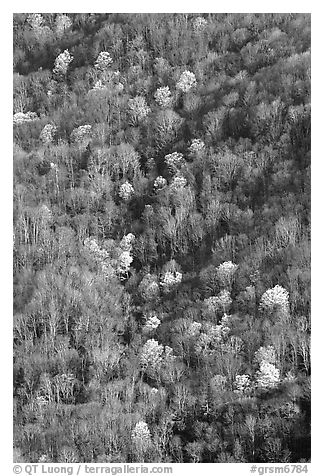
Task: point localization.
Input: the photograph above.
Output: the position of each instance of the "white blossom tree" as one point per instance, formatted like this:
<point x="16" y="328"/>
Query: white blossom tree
<point x="41" y="31"/>
<point x="160" y="183"/>
<point x="62" y="24"/>
<point x="242" y="384"/>
<point x="178" y="183"/>
<point x="81" y="134"/>
<point x="277" y="297"/>
<point x="265" y="354"/>
<point x="225" y="273"/>
<point x="152" y="322"/>
<point x="126" y="191"/>
<point x="196" y="146"/>
<point x="170" y="279"/>
<point x="163" y="97"/>
<point x="125" y="259"/>
<point x="48" y="133"/>
<point x="35" y="20"/>
<point x="267" y="377"/>
<point x="62" y="63"/>
<point x="101" y="257"/>
<point x="187" y="81"/>
<point x="141" y="437"/>
<point x="21" y="117"/>
<point x="174" y="161"/>
<point x="127" y="242"/>
<point x="212" y="338"/>
<point x="103" y="61"/>
<point x="151" y="356"/>
<point x="199" y="24"/>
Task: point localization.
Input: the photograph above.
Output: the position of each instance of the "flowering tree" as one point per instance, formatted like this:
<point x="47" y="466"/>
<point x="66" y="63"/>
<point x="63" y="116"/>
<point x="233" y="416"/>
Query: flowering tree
<point x="163" y="97"/>
<point x="151" y="356"/>
<point x="212" y="338"/>
<point x="98" y="86"/>
<point x="225" y="325"/>
<point x="98" y="253"/>
<point x="174" y="161"/>
<point x="125" y="258"/>
<point x="152" y="322"/>
<point x="265" y="354"/>
<point x="277" y="297"/>
<point x="225" y="273"/>
<point x="40" y="31"/>
<point x="126" y="191"/>
<point x="199" y="24"/>
<point x="48" y="133"/>
<point x="178" y="183"/>
<point x="186" y="82"/>
<point x="141" y="437"/>
<point x="158" y="361"/>
<point x="81" y="133"/>
<point x="196" y="146"/>
<point x="242" y="384"/>
<point x="127" y="242"/>
<point x="21" y="117"/>
<point x="170" y="279"/>
<point x="62" y="63"/>
<point x="35" y="20"/>
<point x="101" y="257"/>
<point x="124" y="261"/>
<point x="62" y="24"/>
<point x="103" y="61"/>
<point x="267" y="377"/>
<point x="160" y="183"/>
<point x="116" y="261"/>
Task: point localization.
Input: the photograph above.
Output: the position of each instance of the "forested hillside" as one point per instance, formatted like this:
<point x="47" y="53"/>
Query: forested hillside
<point x="161" y="237"/>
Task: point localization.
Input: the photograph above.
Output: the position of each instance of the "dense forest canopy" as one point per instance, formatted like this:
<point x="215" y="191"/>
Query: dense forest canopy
<point x="161" y="237"/>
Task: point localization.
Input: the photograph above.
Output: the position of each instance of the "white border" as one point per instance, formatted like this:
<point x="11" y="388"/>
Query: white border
<point x="317" y="179"/>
